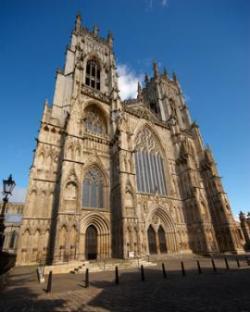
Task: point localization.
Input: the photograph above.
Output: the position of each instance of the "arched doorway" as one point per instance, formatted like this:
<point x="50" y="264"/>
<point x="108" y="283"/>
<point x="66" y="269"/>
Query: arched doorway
<point x="152" y="240"/>
<point x="91" y="243"/>
<point x="162" y="240"/>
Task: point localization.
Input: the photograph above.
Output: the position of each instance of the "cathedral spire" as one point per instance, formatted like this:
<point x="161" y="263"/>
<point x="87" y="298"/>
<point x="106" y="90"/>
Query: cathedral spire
<point x="174" y="77"/>
<point x="96" y="30"/>
<point x="139" y="90"/>
<point x="156" y="70"/>
<point x="165" y="73"/>
<point x="110" y="39"/>
<point x="78" y="22"/>
<point x="146" y="79"/>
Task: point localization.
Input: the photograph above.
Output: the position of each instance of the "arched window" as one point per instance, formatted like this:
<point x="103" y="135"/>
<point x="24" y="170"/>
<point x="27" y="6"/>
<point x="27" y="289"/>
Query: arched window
<point x="13" y="240"/>
<point x="150" y="174"/>
<point x="93" y="189"/>
<point x="94" y="122"/>
<point x="93" y="75"/>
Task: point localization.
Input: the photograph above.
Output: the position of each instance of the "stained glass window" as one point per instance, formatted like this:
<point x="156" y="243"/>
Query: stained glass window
<point x="150" y="174"/>
<point x="93" y="189"/>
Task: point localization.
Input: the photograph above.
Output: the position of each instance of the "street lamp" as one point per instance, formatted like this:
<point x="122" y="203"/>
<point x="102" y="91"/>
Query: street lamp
<point x="8" y="186"/>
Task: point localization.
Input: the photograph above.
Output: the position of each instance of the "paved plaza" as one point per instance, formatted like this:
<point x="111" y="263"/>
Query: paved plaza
<point x="224" y="290"/>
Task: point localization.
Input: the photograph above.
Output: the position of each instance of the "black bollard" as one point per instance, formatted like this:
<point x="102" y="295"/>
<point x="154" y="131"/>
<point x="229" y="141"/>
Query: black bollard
<point x="49" y="285"/>
<point x="199" y="267"/>
<point x="183" y="269"/>
<point x="247" y="260"/>
<point x="213" y="265"/>
<point x="237" y="261"/>
<point x="87" y="278"/>
<point x="142" y="273"/>
<point x="116" y="275"/>
<point x="37" y="273"/>
<point x="226" y="263"/>
<point x="164" y="271"/>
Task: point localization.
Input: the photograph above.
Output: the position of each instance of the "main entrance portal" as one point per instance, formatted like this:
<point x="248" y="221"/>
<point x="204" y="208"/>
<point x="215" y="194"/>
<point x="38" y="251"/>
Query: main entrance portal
<point x="156" y="240"/>
<point x="91" y="243"/>
<point x="152" y="240"/>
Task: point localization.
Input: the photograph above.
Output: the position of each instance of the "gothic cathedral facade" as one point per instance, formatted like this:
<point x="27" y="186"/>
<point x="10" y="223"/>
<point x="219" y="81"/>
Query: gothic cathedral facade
<point x="122" y="179"/>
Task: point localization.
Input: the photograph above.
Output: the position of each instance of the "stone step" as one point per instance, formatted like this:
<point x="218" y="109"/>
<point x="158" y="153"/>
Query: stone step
<point x="97" y="267"/>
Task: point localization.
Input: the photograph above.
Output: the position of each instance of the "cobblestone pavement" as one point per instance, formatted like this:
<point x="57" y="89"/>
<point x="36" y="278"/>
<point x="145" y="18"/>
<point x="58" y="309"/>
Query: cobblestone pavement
<point x="221" y="291"/>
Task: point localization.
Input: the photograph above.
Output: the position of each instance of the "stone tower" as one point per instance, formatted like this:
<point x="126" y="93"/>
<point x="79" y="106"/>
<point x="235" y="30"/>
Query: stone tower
<point x="114" y="178"/>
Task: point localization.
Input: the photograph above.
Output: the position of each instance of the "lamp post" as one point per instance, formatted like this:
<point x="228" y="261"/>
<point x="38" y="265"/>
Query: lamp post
<point x="8" y="186"/>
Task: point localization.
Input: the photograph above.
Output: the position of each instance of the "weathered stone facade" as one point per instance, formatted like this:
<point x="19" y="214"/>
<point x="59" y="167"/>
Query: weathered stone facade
<point x="114" y="178"/>
<point x="245" y="228"/>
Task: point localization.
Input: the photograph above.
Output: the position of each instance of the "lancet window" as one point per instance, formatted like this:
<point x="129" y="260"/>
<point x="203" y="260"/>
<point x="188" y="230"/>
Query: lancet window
<point x="150" y="174"/>
<point x="93" y="189"/>
<point x="93" y="75"/>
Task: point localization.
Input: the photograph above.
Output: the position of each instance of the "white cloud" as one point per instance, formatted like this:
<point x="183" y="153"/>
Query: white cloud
<point x="164" y="3"/>
<point x="149" y="5"/>
<point x="19" y="194"/>
<point x="127" y="81"/>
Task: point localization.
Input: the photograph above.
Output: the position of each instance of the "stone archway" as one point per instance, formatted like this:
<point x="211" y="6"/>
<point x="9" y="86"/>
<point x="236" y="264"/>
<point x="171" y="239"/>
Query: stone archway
<point x="152" y="245"/>
<point x="162" y="240"/>
<point x="91" y="243"/>
<point x="161" y="233"/>
<point x="95" y="239"/>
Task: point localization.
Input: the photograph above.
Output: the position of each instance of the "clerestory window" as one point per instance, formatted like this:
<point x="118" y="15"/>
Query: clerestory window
<point x="93" y="75"/>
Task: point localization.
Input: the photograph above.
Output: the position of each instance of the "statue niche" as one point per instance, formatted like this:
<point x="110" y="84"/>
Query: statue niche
<point x="70" y="196"/>
<point x="129" y="203"/>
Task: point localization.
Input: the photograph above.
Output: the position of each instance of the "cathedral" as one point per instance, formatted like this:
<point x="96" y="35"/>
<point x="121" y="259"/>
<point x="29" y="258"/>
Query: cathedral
<point x="120" y="179"/>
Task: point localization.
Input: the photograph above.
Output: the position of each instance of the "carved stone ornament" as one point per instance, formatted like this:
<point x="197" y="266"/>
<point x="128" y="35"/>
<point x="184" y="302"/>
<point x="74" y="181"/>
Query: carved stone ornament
<point x="145" y="140"/>
<point x="143" y="113"/>
<point x="155" y="219"/>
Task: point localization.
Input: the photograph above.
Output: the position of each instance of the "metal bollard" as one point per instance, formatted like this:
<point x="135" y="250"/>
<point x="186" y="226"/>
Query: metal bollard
<point x="37" y="273"/>
<point x="116" y="275"/>
<point x="183" y="269"/>
<point x="142" y="273"/>
<point x="213" y="265"/>
<point x="49" y="285"/>
<point x="226" y="263"/>
<point x="87" y="278"/>
<point x="164" y="271"/>
<point x="199" y="267"/>
<point x="237" y="261"/>
<point x="247" y="260"/>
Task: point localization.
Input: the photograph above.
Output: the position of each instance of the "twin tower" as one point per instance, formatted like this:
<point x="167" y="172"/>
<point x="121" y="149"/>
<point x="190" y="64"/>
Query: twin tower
<point x="120" y="179"/>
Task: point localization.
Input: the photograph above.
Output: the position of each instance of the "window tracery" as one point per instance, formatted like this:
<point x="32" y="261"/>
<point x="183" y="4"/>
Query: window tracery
<point x="150" y="175"/>
<point x="93" y="189"/>
<point x="94" y="122"/>
<point x="93" y="75"/>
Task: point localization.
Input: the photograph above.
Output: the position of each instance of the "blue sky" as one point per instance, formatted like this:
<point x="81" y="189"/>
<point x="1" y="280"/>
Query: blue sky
<point x="206" y="42"/>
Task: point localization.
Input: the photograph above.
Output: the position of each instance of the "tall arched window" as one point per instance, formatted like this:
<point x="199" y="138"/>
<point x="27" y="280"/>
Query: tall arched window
<point x="93" y="75"/>
<point x="93" y="189"/>
<point x="150" y="174"/>
<point x="13" y="240"/>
